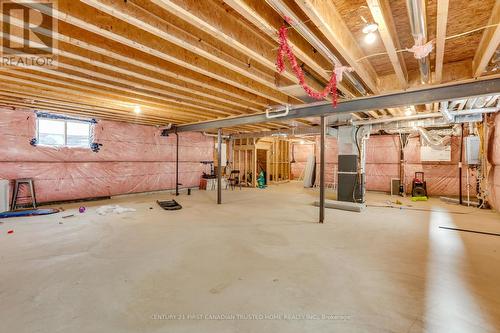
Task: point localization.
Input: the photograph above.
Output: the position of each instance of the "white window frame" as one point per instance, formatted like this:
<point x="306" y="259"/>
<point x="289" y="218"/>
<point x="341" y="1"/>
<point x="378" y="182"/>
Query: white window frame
<point x="65" y="121"/>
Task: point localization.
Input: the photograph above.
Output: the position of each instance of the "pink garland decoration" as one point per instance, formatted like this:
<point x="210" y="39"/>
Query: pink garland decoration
<point x="286" y="50"/>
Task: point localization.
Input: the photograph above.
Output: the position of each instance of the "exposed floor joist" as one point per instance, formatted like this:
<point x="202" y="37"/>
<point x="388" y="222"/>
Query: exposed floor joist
<point x="84" y="17"/>
<point x="442" y="20"/>
<point x="186" y="61"/>
<point x="490" y="42"/>
<point x="327" y="19"/>
<point x="382" y="15"/>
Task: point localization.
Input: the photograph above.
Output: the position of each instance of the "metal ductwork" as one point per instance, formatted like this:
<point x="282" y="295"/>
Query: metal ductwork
<point x="446" y="112"/>
<point x="433" y="140"/>
<point x="418" y="24"/>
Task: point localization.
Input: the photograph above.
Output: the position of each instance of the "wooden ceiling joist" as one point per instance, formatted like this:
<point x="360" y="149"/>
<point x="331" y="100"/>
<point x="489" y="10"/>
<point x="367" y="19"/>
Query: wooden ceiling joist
<point x="490" y="42"/>
<point x="209" y="16"/>
<point x="85" y="17"/>
<point x="269" y="25"/>
<point x="190" y="61"/>
<point x="86" y="52"/>
<point x="79" y="112"/>
<point x="72" y="94"/>
<point x="39" y="103"/>
<point x="382" y="15"/>
<point x="327" y="19"/>
<point x="161" y="27"/>
<point x="149" y="91"/>
<point x="442" y="20"/>
<point x="137" y="97"/>
<point x="236" y="63"/>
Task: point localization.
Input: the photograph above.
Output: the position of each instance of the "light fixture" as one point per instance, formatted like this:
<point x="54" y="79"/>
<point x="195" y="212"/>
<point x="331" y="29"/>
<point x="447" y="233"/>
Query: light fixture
<point x="371" y="27"/>
<point x="137" y="109"/>
<point x="369" y="31"/>
<point x="408" y="111"/>
<point x="302" y="142"/>
<point x="370" y="38"/>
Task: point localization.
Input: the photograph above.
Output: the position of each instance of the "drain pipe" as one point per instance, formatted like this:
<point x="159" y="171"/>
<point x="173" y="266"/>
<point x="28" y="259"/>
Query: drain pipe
<point x="281" y="8"/>
<point x="417" y="15"/>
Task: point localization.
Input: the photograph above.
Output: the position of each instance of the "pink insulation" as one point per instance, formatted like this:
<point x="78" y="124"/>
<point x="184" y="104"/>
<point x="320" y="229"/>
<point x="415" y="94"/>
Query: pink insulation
<point x="382" y="164"/>
<point x="300" y="154"/>
<point x="133" y="158"/>
<point x="494" y="158"/>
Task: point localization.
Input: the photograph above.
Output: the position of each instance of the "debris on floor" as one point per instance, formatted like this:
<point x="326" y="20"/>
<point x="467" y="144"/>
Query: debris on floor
<point x="348" y="206"/>
<point x="30" y="212"/>
<point x="82" y="210"/>
<point x="10" y="231"/>
<point x="169" y="205"/>
<point x="113" y="209"/>
<point x="472" y="231"/>
<point x="65" y="217"/>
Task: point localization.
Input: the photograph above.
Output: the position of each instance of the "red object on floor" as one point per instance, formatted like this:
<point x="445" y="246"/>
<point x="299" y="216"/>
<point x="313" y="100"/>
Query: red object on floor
<point x="10" y="231"/>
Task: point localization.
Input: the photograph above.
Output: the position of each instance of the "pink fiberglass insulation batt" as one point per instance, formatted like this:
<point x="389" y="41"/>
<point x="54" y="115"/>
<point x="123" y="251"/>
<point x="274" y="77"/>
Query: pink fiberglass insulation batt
<point x="494" y="158"/>
<point x="133" y="158"/>
<point x="382" y="164"/>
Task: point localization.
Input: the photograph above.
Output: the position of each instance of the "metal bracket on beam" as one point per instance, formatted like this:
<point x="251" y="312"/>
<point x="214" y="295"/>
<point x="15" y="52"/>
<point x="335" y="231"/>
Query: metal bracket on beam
<point x="170" y="130"/>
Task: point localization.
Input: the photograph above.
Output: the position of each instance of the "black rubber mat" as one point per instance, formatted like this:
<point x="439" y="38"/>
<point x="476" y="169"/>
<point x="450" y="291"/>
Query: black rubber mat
<point x="169" y="205"/>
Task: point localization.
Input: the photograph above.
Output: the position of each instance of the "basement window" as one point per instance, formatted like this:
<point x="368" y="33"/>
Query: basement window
<point x="60" y="131"/>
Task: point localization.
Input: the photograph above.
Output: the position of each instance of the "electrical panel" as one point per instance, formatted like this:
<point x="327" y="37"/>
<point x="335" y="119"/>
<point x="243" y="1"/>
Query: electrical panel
<point x="472" y="150"/>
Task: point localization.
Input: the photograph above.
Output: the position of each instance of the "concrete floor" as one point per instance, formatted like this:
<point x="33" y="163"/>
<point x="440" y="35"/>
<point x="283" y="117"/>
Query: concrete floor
<point x="260" y="260"/>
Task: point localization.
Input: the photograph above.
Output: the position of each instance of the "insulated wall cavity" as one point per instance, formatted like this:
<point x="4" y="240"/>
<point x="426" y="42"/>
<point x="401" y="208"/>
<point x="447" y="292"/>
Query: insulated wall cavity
<point x="494" y="158"/>
<point x="133" y="158"/>
<point x="383" y="160"/>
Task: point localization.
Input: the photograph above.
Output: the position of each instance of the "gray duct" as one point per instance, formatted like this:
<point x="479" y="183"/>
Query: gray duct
<point x="417" y="15"/>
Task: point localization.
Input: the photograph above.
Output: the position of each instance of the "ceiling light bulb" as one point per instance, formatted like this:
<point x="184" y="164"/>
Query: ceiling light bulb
<point x="137" y="109"/>
<point x="408" y="112"/>
<point x="370" y="38"/>
<point x="372" y="27"/>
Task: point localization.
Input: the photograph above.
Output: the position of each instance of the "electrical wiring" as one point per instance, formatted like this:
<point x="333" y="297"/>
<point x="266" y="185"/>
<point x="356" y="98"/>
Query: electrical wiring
<point x="447" y="38"/>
